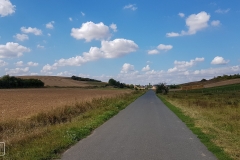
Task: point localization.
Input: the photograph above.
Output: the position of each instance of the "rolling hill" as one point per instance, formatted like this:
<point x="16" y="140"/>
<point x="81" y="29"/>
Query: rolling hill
<point x="57" y="81"/>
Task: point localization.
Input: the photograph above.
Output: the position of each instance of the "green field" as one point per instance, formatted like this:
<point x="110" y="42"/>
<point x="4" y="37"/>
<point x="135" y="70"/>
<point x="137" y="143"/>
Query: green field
<point x="216" y="112"/>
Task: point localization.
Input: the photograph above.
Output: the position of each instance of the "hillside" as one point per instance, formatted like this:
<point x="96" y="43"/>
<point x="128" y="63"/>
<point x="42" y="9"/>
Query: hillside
<point x="56" y="81"/>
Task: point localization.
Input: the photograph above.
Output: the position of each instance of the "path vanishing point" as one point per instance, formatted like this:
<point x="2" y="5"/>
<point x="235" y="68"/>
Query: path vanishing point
<point x="145" y="130"/>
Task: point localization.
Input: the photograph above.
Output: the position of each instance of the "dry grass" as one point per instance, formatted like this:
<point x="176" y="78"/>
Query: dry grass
<point x="62" y="81"/>
<point x="222" y="83"/>
<point x="216" y="112"/>
<point x="23" y="103"/>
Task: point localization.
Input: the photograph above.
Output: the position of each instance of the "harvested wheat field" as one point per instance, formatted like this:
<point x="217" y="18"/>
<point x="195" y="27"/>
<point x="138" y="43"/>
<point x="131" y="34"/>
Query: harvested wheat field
<point x="23" y="103"/>
<point x="62" y="81"/>
<point x="223" y="83"/>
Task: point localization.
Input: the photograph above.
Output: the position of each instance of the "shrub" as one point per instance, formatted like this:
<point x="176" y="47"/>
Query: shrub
<point x="161" y="88"/>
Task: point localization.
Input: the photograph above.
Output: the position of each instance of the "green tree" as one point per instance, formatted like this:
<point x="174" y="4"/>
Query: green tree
<point x="161" y="88"/>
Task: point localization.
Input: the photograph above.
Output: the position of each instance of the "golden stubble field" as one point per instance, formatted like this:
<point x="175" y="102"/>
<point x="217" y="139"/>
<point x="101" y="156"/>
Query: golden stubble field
<point x="23" y="103"/>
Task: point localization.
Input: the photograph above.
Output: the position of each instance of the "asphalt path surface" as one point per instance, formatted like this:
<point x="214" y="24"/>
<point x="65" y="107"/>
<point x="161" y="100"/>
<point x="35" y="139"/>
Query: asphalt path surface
<point x="145" y="130"/>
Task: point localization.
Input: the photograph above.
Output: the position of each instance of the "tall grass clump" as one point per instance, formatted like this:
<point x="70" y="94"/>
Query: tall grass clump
<point x="216" y="111"/>
<point x="47" y="134"/>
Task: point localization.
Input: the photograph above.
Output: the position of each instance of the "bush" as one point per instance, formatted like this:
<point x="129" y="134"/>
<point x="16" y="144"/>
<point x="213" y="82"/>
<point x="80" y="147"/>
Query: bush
<point x="161" y="88"/>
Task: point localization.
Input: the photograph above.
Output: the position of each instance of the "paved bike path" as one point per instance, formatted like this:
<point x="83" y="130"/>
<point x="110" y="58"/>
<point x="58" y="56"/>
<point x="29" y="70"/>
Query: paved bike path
<point x="145" y="130"/>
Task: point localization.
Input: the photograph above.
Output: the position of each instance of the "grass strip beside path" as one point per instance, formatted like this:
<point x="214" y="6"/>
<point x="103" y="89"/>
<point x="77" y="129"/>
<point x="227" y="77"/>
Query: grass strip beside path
<point x="54" y="139"/>
<point x="204" y="138"/>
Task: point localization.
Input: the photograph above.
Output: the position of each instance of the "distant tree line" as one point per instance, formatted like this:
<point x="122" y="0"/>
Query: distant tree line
<point x="117" y="84"/>
<point x="84" y="79"/>
<point x="222" y="78"/>
<point x="14" y="82"/>
<point x="225" y="77"/>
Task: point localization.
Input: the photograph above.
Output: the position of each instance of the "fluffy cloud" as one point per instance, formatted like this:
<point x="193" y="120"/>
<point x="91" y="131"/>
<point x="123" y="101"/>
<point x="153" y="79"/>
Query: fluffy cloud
<point x="17" y="71"/>
<point x="70" y="19"/>
<point x="130" y="6"/>
<point x="21" y="37"/>
<point x="173" y="34"/>
<point x="183" y="65"/>
<point x="113" y="27"/>
<point x="12" y="49"/>
<point x="160" y="47"/>
<point x="219" y="60"/>
<point x="109" y="49"/>
<point x="32" y="64"/>
<point x="154" y="51"/>
<point x="164" y="47"/>
<point x="222" y="11"/>
<point x="181" y="15"/>
<point x="147" y="68"/>
<point x="195" y="23"/>
<point x="19" y="63"/>
<point x="3" y="63"/>
<point x="50" y="25"/>
<point x="118" y="47"/>
<point x="126" y="68"/>
<point x="34" y="31"/>
<point x="48" y="68"/>
<point x="215" y="23"/>
<point x="6" y="8"/>
<point x="90" y="31"/>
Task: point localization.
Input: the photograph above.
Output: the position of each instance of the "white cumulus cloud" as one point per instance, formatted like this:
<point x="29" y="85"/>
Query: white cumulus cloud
<point x="219" y="60"/>
<point x="195" y="23"/>
<point x="32" y="64"/>
<point x="12" y="49"/>
<point x="109" y="49"/>
<point x="127" y="68"/>
<point x="154" y="51"/>
<point x="90" y="31"/>
<point x="6" y="8"/>
<point x="164" y="47"/>
<point x="21" y="37"/>
<point x="17" y="71"/>
<point x="160" y="47"/>
<point x="34" y="31"/>
<point x="130" y="6"/>
<point x="48" y="68"/>
<point x="50" y="25"/>
<point x="183" y="65"/>
<point x="147" y="68"/>
<point x="118" y="47"/>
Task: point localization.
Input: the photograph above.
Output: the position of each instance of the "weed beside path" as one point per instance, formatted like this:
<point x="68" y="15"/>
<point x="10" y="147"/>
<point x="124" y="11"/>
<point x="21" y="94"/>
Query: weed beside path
<point x="44" y="139"/>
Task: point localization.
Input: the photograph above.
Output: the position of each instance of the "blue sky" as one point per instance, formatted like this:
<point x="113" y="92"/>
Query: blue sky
<point x="136" y="42"/>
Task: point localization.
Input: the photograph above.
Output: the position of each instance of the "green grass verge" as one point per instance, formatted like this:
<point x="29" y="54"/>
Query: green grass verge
<point x="57" y="138"/>
<point x="204" y="138"/>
